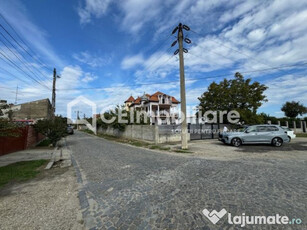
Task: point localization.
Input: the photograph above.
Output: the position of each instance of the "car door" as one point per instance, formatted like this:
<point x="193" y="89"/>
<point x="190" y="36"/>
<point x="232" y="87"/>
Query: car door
<point x="273" y="132"/>
<point x="250" y="135"/>
<point x="264" y="134"/>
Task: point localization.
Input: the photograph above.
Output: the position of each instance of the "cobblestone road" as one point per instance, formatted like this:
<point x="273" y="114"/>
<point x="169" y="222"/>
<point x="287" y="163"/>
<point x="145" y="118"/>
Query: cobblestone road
<point x="132" y="188"/>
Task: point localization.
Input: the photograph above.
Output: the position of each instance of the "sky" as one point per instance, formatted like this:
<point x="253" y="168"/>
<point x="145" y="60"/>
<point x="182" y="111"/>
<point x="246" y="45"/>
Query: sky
<point x="107" y="50"/>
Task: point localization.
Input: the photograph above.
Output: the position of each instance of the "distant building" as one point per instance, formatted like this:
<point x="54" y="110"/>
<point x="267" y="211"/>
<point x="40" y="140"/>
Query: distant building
<point x="128" y="102"/>
<point x="34" y="110"/>
<point x="158" y="106"/>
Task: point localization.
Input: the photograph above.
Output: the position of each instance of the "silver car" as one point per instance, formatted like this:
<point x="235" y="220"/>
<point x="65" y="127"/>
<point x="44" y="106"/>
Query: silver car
<point x="257" y="134"/>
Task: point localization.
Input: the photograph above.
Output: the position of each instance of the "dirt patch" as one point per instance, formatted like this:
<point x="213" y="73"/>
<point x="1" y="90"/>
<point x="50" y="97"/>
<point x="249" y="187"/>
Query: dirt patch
<point x="47" y="202"/>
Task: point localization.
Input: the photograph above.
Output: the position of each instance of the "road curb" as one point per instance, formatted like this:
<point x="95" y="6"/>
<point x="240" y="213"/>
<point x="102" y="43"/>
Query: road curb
<point x="60" y="154"/>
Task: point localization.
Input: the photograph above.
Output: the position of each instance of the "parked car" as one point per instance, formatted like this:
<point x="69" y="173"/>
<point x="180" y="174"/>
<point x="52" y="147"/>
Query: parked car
<point x="70" y="130"/>
<point x="257" y="134"/>
<point x="290" y="133"/>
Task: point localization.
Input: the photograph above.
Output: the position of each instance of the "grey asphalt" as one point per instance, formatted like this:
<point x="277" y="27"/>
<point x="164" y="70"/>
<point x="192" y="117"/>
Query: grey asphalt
<point x="126" y="187"/>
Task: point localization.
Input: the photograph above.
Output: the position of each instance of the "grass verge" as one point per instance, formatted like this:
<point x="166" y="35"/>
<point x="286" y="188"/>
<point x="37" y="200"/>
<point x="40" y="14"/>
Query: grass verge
<point x="44" y="143"/>
<point x="138" y="143"/>
<point x="182" y="151"/>
<point x="87" y="131"/>
<point x="301" y="134"/>
<point x="20" y="171"/>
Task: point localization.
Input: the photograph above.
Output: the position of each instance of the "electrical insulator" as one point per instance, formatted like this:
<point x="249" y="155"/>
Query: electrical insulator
<point x="186" y="27"/>
<point x="174" y="31"/>
<point x="187" y="40"/>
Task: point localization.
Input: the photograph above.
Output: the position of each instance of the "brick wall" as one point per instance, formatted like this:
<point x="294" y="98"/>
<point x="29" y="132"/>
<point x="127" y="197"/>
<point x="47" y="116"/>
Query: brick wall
<point x="33" y="137"/>
<point x="27" y="138"/>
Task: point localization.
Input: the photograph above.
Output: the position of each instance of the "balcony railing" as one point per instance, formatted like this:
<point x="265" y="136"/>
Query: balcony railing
<point x="164" y="114"/>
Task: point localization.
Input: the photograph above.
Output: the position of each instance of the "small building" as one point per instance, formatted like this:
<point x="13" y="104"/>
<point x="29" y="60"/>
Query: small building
<point x="159" y="107"/>
<point x="34" y="110"/>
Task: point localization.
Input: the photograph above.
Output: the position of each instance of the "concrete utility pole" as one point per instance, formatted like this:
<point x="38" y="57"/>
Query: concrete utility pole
<point x="184" y="130"/>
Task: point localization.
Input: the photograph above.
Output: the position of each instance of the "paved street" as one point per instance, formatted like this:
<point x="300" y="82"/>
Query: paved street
<point x="133" y="188"/>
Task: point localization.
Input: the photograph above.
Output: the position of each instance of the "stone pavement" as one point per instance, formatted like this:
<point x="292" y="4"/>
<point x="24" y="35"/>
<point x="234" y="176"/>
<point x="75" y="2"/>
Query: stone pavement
<point x="214" y="149"/>
<point x="125" y="187"/>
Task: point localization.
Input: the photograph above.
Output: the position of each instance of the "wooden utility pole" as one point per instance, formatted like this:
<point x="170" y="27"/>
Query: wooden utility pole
<point x="78" y="118"/>
<point x="184" y="130"/>
<point x="16" y="99"/>
<point x="53" y="91"/>
<point x="55" y="76"/>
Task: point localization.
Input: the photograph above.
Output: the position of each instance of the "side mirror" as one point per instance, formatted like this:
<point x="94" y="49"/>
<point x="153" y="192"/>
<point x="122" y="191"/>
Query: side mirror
<point x="246" y="131"/>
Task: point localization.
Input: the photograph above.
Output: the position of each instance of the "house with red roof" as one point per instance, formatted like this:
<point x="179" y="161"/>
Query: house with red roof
<point x="158" y="106"/>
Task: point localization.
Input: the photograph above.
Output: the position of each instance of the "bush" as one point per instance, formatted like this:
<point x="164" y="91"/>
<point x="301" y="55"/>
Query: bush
<point x="88" y="131"/>
<point x="53" y="129"/>
<point x="45" y="142"/>
<point x="9" y="129"/>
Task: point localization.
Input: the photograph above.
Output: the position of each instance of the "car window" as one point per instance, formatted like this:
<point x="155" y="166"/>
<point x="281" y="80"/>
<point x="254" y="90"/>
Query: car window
<point x="262" y="129"/>
<point x="251" y="129"/>
<point x="272" y="128"/>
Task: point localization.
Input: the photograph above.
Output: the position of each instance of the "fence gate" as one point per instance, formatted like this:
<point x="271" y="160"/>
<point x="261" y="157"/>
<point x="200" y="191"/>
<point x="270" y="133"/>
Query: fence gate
<point x="203" y="131"/>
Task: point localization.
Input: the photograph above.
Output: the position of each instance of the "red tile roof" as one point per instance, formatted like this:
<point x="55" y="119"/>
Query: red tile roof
<point x="130" y="99"/>
<point x="153" y="98"/>
<point x="137" y="101"/>
<point x="175" y="101"/>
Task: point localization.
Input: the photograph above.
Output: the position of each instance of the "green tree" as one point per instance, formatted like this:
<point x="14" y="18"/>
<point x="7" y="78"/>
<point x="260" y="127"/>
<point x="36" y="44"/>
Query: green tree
<point x="9" y="129"/>
<point x="238" y="94"/>
<point x="54" y="129"/>
<point x="293" y="109"/>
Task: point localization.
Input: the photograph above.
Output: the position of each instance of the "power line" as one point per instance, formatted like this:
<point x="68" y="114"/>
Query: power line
<point x="211" y="52"/>
<point x="235" y="50"/>
<point x="14" y="65"/>
<point x="21" y="53"/>
<point x="264" y="70"/>
<point x="25" y="64"/>
<point x="14" y="76"/>
<point x="190" y="79"/>
<point x="150" y="67"/>
<point x="23" y="41"/>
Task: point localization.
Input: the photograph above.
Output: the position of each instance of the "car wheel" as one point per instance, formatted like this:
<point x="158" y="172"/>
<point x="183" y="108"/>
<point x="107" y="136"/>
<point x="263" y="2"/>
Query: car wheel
<point x="236" y="142"/>
<point x="277" y="142"/>
<point x="289" y="138"/>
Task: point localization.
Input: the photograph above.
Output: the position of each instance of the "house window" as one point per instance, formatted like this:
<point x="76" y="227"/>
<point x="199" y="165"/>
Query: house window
<point x="163" y="100"/>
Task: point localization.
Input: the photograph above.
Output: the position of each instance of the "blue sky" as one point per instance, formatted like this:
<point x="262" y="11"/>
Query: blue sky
<point x="123" y="48"/>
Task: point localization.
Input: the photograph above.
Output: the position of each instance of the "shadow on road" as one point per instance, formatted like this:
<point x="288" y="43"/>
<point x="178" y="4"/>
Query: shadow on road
<point x="292" y="146"/>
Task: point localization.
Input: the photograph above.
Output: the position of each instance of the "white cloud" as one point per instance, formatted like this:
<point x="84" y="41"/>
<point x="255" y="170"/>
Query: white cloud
<point x="136" y="13"/>
<point x="92" y="60"/>
<point x="132" y="61"/>
<point x="287" y="88"/>
<point x="89" y="77"/>
<point x="256" y="35"/>
<point x="96" y="8"/>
